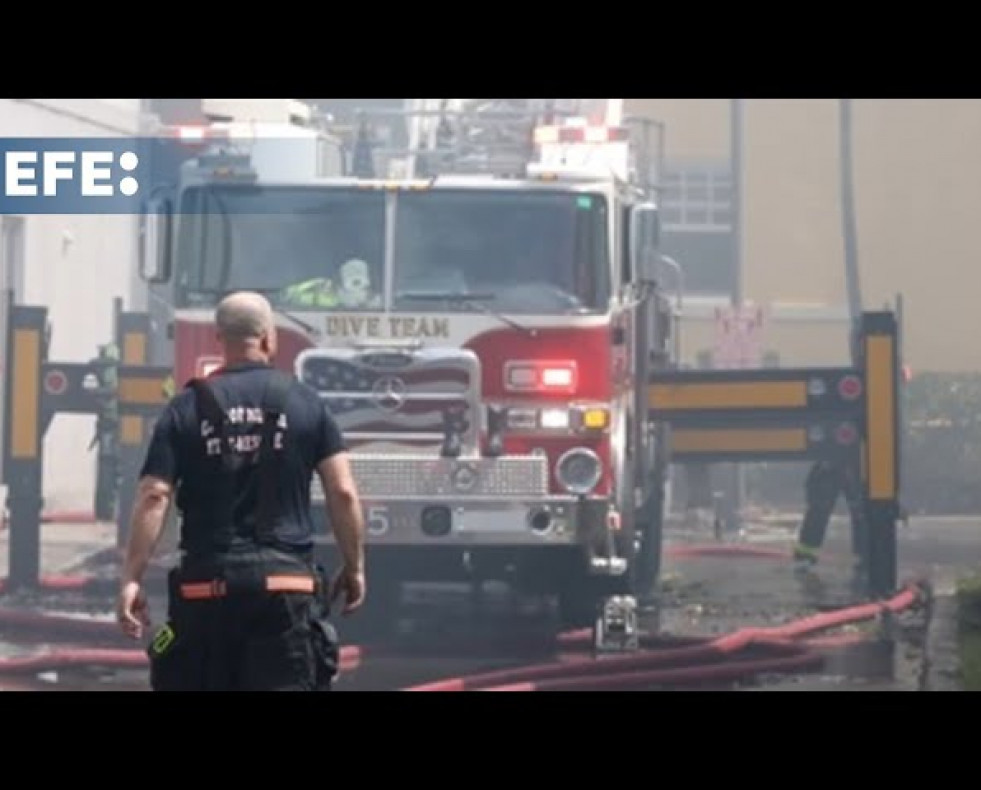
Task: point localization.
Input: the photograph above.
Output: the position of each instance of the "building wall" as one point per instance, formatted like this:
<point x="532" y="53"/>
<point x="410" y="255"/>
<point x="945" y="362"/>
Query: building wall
<point x="918" y="198"/>
<point x="917" y="183"/>
<point x="75" y="265"/>
<point x="695" y="128"/>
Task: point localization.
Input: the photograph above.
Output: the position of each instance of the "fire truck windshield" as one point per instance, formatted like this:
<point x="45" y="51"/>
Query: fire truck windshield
<point x="323" y="247"/>
<point x="305" y="247"/>
<point x="535" y="251"/>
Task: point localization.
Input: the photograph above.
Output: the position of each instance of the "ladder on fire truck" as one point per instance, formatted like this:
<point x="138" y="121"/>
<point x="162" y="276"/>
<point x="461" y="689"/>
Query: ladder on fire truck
<point x="478" y="136"/>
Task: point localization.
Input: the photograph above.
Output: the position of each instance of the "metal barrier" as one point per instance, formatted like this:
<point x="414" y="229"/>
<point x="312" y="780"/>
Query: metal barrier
<point x="849" y="415"/>
<point x="141" y="394"/>
<point x="36" y="389"/>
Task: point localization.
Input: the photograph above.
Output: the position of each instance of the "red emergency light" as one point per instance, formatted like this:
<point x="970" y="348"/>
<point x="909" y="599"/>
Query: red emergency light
<point x="541" y="376"/>
<point x="196" y="134"/>
<point x="581" y="134"/>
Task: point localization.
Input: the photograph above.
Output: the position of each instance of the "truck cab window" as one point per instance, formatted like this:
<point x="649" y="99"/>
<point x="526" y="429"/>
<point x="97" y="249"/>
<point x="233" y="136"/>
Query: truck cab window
<point x="534" y="251"/>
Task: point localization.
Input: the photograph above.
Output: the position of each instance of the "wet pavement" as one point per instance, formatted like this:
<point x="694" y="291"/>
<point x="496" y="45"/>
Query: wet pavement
<point x="441" y="634"/>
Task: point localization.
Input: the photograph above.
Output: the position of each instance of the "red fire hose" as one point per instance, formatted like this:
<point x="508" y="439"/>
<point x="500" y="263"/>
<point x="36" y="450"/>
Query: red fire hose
<point x="661" y="667"/>
<point x="58" y="583"/>
<point x="62" y="627"/>
<point x="700" y="660"/>
<point x="61" y="582"/>
<point x="724" y="550"/>
<point x="74" y="658"/>
<point x="647" y="669"/>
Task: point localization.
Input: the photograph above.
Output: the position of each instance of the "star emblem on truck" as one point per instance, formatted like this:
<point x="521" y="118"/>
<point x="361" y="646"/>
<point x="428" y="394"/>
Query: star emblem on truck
<point x="389" y="393"/>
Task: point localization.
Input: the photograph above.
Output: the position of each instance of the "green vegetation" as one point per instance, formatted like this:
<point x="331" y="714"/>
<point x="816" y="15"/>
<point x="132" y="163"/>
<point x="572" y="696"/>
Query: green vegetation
<point x="969" y="632"/>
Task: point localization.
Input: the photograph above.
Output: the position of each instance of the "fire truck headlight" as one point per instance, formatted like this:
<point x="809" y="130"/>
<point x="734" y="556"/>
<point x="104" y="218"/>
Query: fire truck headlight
<point x="555" y="418"/>
<point x="579" y="470"/>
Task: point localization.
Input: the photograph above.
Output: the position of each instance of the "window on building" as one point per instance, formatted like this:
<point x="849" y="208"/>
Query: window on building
<point x="696" y="222"/>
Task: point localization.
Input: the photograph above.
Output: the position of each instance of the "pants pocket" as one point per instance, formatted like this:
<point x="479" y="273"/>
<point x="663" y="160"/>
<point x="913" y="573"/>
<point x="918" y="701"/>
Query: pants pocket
<point x="281" y="662"/>
<point x="326" y="653"/>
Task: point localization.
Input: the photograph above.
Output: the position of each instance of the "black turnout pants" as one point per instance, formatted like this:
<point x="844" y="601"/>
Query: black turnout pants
<point x="246" y="638"/>
<point x="824" y="485"/>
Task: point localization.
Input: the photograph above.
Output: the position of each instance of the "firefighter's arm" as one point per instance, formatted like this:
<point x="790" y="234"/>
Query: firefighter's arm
<point x="153" y="499"/>
<point x="157" y="483"/>
<point x="344" y="507"/>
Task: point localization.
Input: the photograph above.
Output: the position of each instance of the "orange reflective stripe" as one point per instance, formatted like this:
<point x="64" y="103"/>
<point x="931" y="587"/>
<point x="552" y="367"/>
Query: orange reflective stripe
<point x="217" y="589"/>
<point x="304" y="584"/>
<point x="203" y="590"/>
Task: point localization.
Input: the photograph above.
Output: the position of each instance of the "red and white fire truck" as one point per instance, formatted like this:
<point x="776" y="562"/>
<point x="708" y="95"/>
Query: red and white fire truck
<point x="484" y="341"/>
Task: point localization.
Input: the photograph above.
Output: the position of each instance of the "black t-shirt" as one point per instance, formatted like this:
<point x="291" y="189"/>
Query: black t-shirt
<point x="183" y="448"/>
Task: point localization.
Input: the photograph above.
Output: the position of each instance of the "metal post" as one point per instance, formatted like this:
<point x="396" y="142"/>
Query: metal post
<point x="678" y="310"/>
<point x="132" y="337"/>
<point x="23" y="444"/>
<point x="880" y="358"/>
<point x="853" y="282"/>
<point x="736" y="179"/>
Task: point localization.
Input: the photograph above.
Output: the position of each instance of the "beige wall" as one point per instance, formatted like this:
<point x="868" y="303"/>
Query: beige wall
<point x="696" y="128"/>
<point x="918" y="205"/>
<point x="918" y="195"/>
<point x="74" y="265"/>
<point x="792" y="247"/>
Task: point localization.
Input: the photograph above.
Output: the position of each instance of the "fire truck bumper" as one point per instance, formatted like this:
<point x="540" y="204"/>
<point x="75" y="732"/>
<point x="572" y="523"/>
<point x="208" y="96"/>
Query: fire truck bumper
<point x="491" y="522"/>
<point x="417" y="502"/>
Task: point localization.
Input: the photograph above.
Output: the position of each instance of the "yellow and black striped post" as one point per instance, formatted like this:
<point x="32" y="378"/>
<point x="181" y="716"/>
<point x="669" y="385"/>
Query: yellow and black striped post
<point x="132" y="332"/>
<point x="879" y="352"/>
<point x="23" y="445"/>
<point x="850" y="416"/>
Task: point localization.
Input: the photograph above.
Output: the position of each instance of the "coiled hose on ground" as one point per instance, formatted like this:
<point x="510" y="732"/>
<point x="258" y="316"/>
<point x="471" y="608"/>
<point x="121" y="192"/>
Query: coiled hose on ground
<point x="696" y="661"/>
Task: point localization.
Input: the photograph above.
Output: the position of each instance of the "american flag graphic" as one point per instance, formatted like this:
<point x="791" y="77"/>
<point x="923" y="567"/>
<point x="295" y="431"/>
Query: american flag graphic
<point x="392" y="393"/>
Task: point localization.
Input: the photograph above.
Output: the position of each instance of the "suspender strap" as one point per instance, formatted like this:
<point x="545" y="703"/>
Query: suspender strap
<point x="273" y="407"/>
<point x="211" y="410"/>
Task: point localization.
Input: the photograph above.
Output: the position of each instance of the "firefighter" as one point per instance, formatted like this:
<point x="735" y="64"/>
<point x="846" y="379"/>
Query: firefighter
<point x="317" y="292"/>
<point x="248" y="607"/>
<point x="825" y="481"/>
<point x="107" y="476"/>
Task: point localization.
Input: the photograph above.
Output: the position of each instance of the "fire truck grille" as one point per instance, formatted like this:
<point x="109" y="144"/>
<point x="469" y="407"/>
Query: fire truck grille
<point x="426" y="476"/>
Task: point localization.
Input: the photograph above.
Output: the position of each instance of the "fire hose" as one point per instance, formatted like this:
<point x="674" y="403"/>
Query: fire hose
<point x="689" y="665"/>
<point x="81" y="583"/>
<point x="86" y="658"/>
<point x="675" y="666"/>
<point x="690" y="661"/>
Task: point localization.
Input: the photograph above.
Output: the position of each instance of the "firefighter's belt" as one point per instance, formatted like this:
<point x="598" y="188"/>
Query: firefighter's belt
<point x="198" y="591"/>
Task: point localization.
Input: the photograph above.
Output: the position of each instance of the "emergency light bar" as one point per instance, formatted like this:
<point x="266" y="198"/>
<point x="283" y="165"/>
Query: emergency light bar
<point x="545" y="135"/>
<point x="196" y="134"/>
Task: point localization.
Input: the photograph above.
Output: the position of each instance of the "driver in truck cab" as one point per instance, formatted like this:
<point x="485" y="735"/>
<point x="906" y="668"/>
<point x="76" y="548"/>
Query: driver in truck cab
<point x="352" y="288"/>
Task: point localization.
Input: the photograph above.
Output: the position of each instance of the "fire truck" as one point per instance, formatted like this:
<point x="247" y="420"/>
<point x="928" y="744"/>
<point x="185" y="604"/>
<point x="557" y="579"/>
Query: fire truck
<point x="481" y="329"/>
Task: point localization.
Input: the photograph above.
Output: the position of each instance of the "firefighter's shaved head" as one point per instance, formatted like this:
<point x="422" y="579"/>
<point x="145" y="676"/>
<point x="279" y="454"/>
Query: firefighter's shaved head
<point x="246" y="329"/>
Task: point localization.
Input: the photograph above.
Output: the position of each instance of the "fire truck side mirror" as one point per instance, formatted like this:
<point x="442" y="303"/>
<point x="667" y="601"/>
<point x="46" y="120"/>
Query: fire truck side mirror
<point x="155" y="241"/>
<point x="645" y="239"/>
